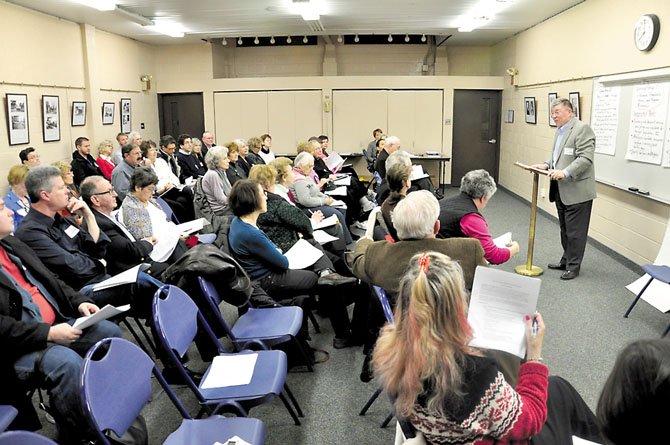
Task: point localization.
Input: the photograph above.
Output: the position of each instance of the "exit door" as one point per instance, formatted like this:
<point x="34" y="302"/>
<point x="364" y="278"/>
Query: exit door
<point x="181" y="113"/>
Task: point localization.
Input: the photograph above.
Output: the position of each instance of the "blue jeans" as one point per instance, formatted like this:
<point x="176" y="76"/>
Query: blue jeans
<point x="58" y="372"/>
<point x="139" y="294"/>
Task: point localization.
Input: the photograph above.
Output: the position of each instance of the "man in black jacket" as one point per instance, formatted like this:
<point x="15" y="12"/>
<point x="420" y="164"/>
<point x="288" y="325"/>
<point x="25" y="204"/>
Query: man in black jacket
<point x="39" y="345"/>
<point x="124" y="251"/>
<point x="83" y="164"/>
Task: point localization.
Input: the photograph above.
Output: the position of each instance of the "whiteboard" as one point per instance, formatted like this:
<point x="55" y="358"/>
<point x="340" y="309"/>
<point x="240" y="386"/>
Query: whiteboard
<point x="630" y="115"/>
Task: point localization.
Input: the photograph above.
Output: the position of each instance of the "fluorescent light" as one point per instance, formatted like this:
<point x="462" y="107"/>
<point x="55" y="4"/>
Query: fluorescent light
<point x="169" y="29"/>
<point x="100" y="5"/>
<point x="309" y="10"/>
<point x="481" y="14"/>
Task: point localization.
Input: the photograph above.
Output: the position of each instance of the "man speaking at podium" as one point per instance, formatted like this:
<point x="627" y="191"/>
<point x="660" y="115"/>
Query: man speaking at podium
<point x="572" y="186"/>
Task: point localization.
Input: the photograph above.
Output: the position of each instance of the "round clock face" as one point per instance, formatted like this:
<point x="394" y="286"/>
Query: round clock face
<point x="646" y="32"/>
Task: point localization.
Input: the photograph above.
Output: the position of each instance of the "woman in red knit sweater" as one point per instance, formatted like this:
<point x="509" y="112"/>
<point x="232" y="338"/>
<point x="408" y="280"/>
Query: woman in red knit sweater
<point x="451" y="392"/>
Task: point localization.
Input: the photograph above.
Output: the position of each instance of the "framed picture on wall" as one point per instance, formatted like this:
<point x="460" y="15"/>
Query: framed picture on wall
<point x="531" y="112"/>
<point x="552" y="98"/>
<point x="574" y="100"/>
<point x="51" y="118"/>
<point x="125" y="116"/>
<point x="17" y="119"/>
<point x="78" y="114"/>
<point x="107" y="113"/>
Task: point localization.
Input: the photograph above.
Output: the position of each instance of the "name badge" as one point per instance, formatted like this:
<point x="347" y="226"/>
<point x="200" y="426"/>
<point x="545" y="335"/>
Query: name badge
<point x="569" y="151"/>
<point x="71" y="231"/>
<point x="22" y="212"/>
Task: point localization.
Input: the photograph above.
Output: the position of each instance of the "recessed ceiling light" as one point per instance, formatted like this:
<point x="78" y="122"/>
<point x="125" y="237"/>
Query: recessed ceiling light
<point x="100" y="5"/>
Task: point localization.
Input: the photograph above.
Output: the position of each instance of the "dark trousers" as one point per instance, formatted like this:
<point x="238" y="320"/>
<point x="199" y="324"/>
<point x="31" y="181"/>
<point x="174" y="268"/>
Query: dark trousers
<point x="567" y="415"/>
<point x="574" y="222"/>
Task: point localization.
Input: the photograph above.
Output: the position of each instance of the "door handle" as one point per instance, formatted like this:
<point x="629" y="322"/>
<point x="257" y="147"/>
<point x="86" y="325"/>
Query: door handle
<point x="492" y="141"/>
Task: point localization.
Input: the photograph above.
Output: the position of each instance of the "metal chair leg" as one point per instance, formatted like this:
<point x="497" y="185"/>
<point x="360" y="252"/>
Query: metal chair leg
<point x="638" y="297"/>
<point x="370" y="401"/>
<point x="289" y="409"/>
<point x="315" y="323"/>
<point x="293" y="400"/>
<point x="388" y="419"/>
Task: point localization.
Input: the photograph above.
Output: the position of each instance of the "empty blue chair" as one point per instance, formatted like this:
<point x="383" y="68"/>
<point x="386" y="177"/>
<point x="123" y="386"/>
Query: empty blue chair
<point x="167" y="210"/>
<point x="655" y="272"/>
<point x="24" y="438"/>
<point x="177" y="319"/>
<point x="269" y="326"/>
<point x="116" y="385"/>
<point x="7" y="415"/>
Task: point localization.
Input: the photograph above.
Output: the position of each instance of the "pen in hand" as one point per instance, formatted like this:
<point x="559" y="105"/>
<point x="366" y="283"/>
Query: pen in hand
<point x="535" y="327"/>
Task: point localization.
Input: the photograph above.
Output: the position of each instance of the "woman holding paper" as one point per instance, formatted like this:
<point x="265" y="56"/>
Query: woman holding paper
<point x="451" y="392"/>
<point x="265" y="263"/>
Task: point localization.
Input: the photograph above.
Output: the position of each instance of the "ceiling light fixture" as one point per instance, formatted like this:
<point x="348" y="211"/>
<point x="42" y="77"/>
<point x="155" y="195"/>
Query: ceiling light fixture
<point x="308" y="9"/>
<point x="390" y="39"/>
<point x="169" y="29"/>
<point x="288" y="39"/>
<point x="272" y="40"/>
<point x="423" y="38"/>
<point x="339" y="38"/>
<point x="481" y="14"/>
<point x="224" y="42"/>
<point x="100" y="5"/>
<point x="407" y="38"/>
<point x="256" y="41"/>
<point x="136" y="18"/>
<point x="304" y="39"/>
<point x="239" y="41"/>
<point x="356" y="39"/>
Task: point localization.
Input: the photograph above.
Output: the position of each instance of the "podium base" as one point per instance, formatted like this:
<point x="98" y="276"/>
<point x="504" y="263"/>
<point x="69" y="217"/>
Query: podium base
<point x="534" y="271"/>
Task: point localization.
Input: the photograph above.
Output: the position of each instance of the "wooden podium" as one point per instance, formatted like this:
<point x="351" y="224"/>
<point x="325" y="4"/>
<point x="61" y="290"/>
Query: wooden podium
<point x="529" y="269"/>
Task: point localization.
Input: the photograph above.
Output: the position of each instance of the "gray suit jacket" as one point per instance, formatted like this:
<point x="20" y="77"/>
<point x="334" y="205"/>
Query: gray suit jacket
<point x="576" y="157"/>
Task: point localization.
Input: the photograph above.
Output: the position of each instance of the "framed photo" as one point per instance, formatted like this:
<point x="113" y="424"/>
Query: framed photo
<point x="552" y="97"/>
<point x="78" y="114"/>
<point x="107" y="113"/>
<point x="125" y="116"/>
<point x="531" y="112"/>
<point x="574" y="100"/>
<point x="17" y="119"/>
<point x="51" y="118"/>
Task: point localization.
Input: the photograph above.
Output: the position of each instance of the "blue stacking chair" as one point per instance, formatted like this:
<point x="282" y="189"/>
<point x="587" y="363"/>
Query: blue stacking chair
<point x="167" y="210"/>
<point x="177" y="319"/>
<point x="116" y="385"/>
<point x="655" y="272"/>
<point x="267" y="326"/>
<point x="24" y="438"/>
<point x="388" y="314"/>
<point x="7" y="415"/>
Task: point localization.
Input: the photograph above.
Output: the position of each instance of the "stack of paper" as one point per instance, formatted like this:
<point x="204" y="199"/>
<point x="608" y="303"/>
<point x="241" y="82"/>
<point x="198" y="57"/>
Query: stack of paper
<point x="339" y="191"/>
<point x="127" y="277"/>
<point x="230" y="370"/>
<point x="302" y="255"/>
<point x="322" y="237"/>
<point x="339" y="204"/>
<point x="346" y="181"/>
<point x="106" y="312"/>
<point x="418" y="173"/>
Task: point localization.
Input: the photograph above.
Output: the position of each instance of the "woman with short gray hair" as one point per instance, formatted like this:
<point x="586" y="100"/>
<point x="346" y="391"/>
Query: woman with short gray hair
<point x="215" y="184"/>
<point x="460" y="216"/>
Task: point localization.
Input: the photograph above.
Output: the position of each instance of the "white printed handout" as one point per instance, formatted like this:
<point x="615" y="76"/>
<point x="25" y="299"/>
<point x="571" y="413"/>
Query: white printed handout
<point x="230" y="370"/>
<point x="127" y="277"/>
<point x="499" y="302"/>
<point x="106" y="312"/>
<point x="503" y="240"/>
<point x="418" y="173"/>
<point x="339" y="204"/>
<point x="339" y="191"/>
<point x="322" y="237"/>
<point x="334" y="162"/>
<point x="579" y="441"/>
<point x="646" y="133"/>
<point x="192" y="226"/>
<point x="302" y="255"/>
<point x="346" y="181"/>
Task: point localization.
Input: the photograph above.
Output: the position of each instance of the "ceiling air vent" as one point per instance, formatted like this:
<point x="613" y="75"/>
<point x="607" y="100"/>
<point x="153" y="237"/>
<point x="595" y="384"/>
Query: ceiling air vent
<point x="315" y="25"/>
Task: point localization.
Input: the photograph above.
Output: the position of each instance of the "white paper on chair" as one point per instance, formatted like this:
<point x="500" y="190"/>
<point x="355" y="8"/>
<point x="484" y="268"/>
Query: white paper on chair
<point x="325" y="222"/>
<point x="230" y="370"/>
<point x="657" y="292"/>
<point x="579" y="441"/>
<point x="192" y="226"/>
<point x="346" y="181"/>
<point x="302" y="255"/>
<point x="339" y="191"/>
<point x="322" y="237"/>
<point x="499" y="302"/>
<point x="106" y="312"/>
<point x="127" y="277"/>
<point x="503" y="240"/>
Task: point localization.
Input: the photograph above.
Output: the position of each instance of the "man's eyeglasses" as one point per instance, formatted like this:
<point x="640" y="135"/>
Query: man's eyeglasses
<point x="103" y="193"/>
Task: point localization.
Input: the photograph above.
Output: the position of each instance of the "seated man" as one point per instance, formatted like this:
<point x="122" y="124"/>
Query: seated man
<point x="29" y="157"/>
<point x="71" y="251"/>
<point x="83" y="163"/>
<point x="460" y="217"/>
<point x="383" y="264"/>
<point x="132" y="157"/>
<point x="38" y="342"/>
<point x="124" y="251"/>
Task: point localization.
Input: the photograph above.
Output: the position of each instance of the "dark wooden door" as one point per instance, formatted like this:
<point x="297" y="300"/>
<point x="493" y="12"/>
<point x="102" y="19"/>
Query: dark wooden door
<point x="476" y="137"/>
<point x="181" y="113"/>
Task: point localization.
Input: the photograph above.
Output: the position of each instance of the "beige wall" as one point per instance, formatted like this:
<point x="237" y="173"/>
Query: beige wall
<point x="553" y="58"/>
<point x="76" y="63"/>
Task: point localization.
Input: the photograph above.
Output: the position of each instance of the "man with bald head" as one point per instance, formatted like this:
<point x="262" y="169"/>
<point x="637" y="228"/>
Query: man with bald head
<point x="207" y="142"/>
<point x="392" y="145"/>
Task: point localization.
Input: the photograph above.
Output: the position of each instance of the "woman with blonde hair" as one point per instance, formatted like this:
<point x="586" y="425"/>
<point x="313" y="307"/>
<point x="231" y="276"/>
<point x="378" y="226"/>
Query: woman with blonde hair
<point x="452" y="392"/>
<point x="104" y="159"/>
<point x="17" y="199"/>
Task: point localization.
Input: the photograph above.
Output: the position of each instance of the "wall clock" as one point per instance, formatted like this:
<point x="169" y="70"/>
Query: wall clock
<point x="646" y="33"/>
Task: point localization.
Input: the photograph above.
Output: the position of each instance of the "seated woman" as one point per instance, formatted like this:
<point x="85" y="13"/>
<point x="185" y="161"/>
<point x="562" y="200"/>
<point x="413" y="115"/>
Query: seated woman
<point x="283" y="222"/>
<point x="264" y="263"/>
<point x="196" y="151"/>
<point x="144" y="218"/>
<point x="180" y="201"/>
<point x="399" y="182"/>
<point x="215" y="184"/>
<point x="68" y="178"/>
<point x="17" y="199"/>
<point x="460" y="216"/>
<point x="104" y="159"/>
<point x="633" y="405"/>
<point x="235" y="170"/>
<point x="451" y="392"/>
<point x="306" y="193"/>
